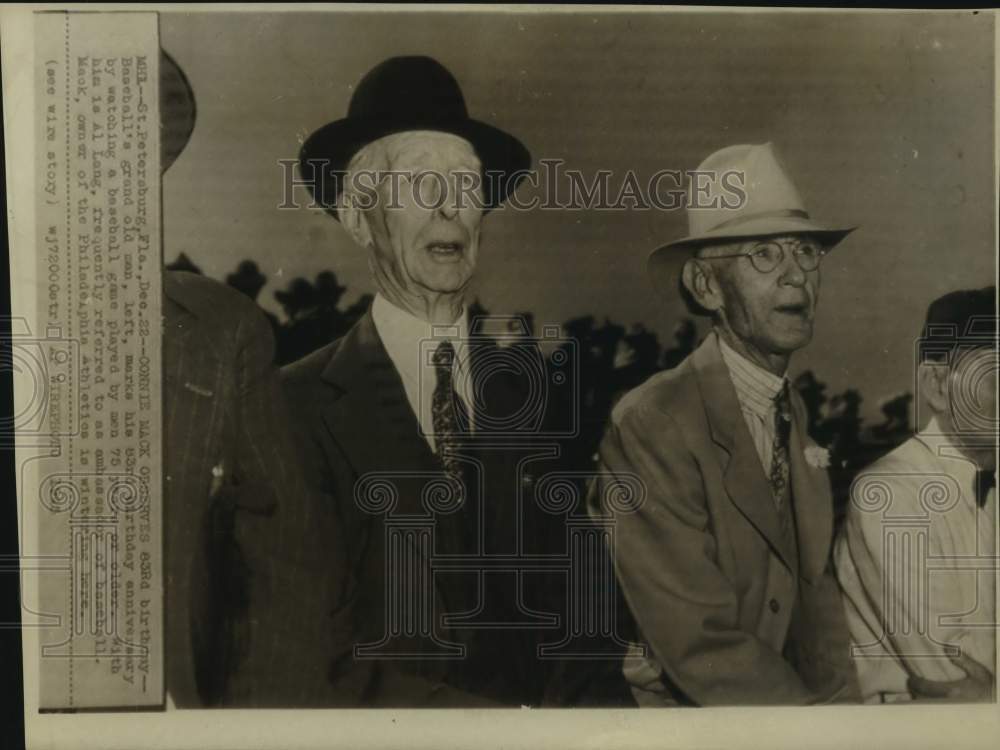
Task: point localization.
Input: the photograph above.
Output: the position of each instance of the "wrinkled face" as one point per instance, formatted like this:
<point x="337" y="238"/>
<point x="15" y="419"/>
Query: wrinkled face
<point x="770" y="312"/>
<point x="425" y="227"/>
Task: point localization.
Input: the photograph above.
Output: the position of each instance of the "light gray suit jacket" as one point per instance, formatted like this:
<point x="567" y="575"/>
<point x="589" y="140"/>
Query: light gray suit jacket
<point x="709" y="579"/>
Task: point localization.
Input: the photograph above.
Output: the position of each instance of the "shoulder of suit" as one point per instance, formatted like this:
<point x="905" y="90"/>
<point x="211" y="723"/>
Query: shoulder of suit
<point x="208" y="299"/>
<point x="225" y="320"/>
<point x="671" y="392"/>
<point x="908" y="456"/>
<point x="310" y="367"/>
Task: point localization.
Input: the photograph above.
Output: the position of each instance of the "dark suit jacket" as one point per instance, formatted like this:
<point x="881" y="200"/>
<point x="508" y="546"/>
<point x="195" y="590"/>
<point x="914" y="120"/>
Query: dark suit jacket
<point x="355" y="423"/>
<point x="245" y="608"/>
<point x="707" y="575"/>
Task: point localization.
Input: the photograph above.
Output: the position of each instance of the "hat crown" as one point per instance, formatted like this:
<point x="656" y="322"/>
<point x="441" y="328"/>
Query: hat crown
<point x="967" y="316"/>
<point x="744" y="182"/>
<point x="402" y="87"/>
<point x="737" y="193"/>
<point x="404" y="94"/>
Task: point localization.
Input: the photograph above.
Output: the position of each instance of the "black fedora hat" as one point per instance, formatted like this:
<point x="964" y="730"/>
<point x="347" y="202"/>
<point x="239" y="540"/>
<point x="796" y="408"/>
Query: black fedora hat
<point x="400" y="94"/>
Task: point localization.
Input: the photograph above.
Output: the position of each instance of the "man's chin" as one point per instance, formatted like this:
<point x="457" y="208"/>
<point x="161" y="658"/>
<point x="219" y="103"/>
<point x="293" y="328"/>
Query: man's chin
<point x="446" y="281"/>
<point x="793" y="341"/>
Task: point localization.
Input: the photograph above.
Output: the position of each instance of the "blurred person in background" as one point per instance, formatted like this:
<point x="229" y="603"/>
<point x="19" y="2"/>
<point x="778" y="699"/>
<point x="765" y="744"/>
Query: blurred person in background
<point x="927" y="512"/>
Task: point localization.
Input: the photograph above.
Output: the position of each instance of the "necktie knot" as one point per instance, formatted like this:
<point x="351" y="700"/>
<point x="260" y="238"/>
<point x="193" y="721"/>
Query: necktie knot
<point x="444" y="356"/>
<point x="783" y="403"/>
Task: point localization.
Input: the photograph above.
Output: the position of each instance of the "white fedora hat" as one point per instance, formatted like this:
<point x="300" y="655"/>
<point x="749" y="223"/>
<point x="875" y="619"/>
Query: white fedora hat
<point x="770" y="206"/>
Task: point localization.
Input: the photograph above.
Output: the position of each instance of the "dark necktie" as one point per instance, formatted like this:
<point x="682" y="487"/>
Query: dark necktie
<point x="779" y="454"/>
<point x="447" y="411"/>
<point x="986" y="479"/>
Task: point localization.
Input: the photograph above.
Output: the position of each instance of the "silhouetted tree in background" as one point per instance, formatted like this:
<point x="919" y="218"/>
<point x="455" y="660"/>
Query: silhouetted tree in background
<point x="313" y="315"/>
<point x="248" y="279"/>
<point x="685" y="337"/>
<point x="813" y="393"/>
<point x="896" y="410"/>
<point x="182" y="263"/>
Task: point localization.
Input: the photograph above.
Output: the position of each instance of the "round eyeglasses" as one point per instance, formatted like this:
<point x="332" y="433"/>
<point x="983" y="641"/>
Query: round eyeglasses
<point x="769" y="254"/>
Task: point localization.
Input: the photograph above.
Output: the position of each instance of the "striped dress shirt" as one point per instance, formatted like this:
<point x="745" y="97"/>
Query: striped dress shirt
<point x="756" y="389"/>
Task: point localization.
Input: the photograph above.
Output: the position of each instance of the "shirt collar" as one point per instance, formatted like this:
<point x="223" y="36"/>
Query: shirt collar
<point x="756" y="387"/>
<point x="402" y="333"/>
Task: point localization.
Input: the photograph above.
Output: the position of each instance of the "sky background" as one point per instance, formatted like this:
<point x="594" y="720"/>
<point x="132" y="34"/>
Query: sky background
<point x="884" y="120"/>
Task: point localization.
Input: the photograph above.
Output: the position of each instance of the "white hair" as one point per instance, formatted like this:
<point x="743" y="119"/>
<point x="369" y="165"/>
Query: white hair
<point x="370" y="158"/>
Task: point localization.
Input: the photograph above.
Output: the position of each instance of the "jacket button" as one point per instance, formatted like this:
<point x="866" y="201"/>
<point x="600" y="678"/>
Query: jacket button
<point x="773" y="604"/>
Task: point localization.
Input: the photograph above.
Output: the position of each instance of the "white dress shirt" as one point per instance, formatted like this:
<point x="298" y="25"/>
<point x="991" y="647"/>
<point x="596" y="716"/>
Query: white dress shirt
<point x="756" y="389"/>
<point x="411" y="343"/>
<point x="915" y="564"/>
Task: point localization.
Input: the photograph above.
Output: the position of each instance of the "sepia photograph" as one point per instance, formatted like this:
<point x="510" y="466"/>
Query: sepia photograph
<point x="495" y="376"/>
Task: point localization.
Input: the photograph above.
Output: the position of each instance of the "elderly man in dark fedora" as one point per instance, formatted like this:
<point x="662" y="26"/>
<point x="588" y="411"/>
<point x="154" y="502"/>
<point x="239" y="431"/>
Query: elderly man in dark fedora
<point x="724" y="564"/>
<point x="401" y="403"/>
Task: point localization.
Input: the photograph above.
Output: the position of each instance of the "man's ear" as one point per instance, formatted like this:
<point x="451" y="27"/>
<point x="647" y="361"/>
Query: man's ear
<point x="699" y="280"/>
<point x="933" y="379"/>
<point x="356" y="224"/>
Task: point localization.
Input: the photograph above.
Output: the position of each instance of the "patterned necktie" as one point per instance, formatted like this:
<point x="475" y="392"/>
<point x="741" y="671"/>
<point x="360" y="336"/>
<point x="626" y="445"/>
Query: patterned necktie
<point x="986" y="480"/>
<point x="779" y="454"/>
<point x="447" y="411"/>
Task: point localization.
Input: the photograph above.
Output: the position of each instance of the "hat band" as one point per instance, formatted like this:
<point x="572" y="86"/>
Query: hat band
<point x="788" y="213"/>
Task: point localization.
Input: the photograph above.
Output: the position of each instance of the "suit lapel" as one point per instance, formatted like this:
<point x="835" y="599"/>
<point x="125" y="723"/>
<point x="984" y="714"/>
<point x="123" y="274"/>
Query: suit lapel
<point x="745" y="481"/>
<point x="813" y="501"/>
<point x="372" y="421"/>
<point x="370" y="417"/>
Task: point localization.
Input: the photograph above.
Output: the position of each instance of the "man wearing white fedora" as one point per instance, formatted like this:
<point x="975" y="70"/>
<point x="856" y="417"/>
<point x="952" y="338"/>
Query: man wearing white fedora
<point x="724" y="563"/>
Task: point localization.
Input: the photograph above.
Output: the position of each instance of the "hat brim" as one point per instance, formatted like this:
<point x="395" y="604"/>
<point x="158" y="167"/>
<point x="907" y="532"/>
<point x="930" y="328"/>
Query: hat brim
<point x="325" y="155"/>
<point x="665" y="263"/>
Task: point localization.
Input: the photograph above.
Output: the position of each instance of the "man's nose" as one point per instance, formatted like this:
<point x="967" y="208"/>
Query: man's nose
<point x="791" y="271"/>
<point x="450" y="200"/>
